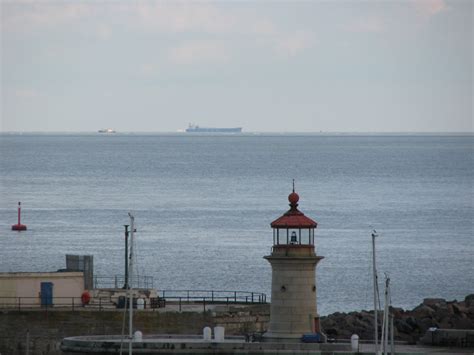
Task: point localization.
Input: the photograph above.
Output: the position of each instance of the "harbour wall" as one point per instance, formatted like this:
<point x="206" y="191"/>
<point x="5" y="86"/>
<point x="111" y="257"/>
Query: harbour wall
<point x="46" y="329"/>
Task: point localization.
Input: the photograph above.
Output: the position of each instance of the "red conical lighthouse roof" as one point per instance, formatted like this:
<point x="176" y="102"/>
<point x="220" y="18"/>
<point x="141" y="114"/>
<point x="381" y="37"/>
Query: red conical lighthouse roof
<point x="293" y="218"/>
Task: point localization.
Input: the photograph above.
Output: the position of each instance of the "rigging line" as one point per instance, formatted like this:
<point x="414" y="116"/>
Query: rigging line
<point x="390" y="295"/>
<point x="369" y="271"/>
<point x="139" y="268"/>
<point x="377" y="289"/>
<point x="136" y="261"/>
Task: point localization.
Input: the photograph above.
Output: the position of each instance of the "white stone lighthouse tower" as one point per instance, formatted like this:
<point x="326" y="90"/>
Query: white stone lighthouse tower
<point x="293" y="259"/>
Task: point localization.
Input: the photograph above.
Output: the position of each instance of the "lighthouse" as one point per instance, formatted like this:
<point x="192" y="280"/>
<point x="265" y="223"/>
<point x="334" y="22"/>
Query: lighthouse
<point x="293" y="310"/>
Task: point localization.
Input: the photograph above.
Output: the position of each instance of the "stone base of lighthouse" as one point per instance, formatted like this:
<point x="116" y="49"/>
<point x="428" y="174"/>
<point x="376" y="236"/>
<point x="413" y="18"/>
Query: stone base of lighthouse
<point x="293" y="306"/>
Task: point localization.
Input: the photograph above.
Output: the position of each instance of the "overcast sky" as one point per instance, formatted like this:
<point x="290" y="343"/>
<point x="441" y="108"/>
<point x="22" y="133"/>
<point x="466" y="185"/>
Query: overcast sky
<point x="351" y="66"/>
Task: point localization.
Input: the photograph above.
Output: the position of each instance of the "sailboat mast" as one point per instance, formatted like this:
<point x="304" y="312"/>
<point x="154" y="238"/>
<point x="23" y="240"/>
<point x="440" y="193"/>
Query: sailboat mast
<point x="374" y="235"/>
<point x="392" y="342"/>
<point x="386" y="316"/>
<point x="130" y="290"/>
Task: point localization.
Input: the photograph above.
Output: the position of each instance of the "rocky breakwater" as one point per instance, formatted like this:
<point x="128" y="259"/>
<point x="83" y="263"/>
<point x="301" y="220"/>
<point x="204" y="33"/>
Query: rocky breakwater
<point x="410" y="325"/>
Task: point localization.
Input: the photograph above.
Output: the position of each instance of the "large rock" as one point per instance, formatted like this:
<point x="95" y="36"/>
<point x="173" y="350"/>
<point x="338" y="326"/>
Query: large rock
<point x="443" y="313"/>
<point x="469" y="300"/>
<point x="423" y="311"/>
<point x="409" y="325"/>
<point x="425" y="323"/>
<point x="412" y="322"/>
<point x="403" y="327"/>
<point x="434" y="302"/>
<point x="460" y="310"/>
<point x="464" y="323"/>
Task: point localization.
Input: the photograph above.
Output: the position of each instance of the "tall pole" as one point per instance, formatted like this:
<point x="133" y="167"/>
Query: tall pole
<point x="374" y="235"/>
<point x="386" y="315"/>
<point x="125" y="286"/>
<point x="130" y="268"/>
<point x="392" y="342"/>
<point x="19" y="213"/>
<point x="391" y="316"/>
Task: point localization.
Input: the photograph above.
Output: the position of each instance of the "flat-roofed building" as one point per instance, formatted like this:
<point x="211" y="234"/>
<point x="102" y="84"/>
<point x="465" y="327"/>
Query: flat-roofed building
<point x="35" y="289"/>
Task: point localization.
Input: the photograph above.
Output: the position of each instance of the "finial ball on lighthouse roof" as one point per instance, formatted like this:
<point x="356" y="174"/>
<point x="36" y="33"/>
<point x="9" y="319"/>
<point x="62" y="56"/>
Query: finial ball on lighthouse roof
<point x="293" y="198"/>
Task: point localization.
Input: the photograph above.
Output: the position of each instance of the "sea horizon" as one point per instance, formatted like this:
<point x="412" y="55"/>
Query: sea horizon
<point x="246" y="133"/>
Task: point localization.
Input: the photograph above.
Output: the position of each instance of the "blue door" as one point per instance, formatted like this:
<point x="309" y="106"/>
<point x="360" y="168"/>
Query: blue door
<point x="46" y="293"/>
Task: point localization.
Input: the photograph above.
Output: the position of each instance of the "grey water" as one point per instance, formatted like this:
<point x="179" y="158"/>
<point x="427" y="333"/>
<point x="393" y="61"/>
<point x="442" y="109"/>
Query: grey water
<point x="203" y="206"/>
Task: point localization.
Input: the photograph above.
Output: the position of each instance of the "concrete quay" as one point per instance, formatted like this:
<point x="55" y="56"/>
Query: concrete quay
<point x="191" y="344"/>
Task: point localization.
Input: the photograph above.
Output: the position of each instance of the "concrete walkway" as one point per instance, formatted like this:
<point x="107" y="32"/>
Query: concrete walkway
<point x="419" y="349"/>
<point x="189" y="344"/>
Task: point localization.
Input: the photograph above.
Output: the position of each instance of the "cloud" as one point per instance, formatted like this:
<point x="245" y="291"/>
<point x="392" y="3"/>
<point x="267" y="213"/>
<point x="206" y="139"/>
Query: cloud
<point x="429" y="8"/>
<point x="155" y="17"/>
<point x="263" y="27"/>
<point x="182" y="17"/>
<point x="159" y="16"/>
<point x="294" y="43"/>
<point x="104" y="32"/>
<point x="25" y="16"/>
<point x="372" y="24"/>
<point x="149" y="69"/>
<point x="199" y="17"/>
<point x="197" y="51"/>
<point x="200" y="22"/>
<point x="26" y="94"/>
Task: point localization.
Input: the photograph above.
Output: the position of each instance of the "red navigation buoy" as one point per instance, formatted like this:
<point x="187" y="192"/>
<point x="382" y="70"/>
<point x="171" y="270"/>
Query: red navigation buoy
<point x="19" y="227"/>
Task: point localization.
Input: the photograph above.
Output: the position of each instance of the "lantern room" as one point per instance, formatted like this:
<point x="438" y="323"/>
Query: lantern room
<point x="293" y="310"/>
<point x="293" y="228"/>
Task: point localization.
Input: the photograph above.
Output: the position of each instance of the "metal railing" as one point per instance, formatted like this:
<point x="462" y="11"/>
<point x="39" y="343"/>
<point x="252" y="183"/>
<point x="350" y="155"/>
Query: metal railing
<point x="213" y="296"/>
<point x="174" y="298"/>
<point x="63" y="303"/>
<point x="118" y="281"/>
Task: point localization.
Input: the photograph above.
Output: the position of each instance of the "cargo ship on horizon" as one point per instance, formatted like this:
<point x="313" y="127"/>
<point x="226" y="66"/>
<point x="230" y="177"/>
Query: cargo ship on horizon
<point x="192" y="128"/>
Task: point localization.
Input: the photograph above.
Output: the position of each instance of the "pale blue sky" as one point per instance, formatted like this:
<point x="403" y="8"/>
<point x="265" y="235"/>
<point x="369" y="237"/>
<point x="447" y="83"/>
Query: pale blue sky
<point x="351" y="66"/>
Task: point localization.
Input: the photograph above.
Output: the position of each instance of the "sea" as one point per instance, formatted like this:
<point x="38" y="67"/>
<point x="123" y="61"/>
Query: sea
<point x="203" y="204"/>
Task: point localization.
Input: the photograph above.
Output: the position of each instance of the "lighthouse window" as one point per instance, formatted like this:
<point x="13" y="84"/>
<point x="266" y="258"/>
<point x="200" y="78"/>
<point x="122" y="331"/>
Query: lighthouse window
<point x="306" y="237"/>
<point x="278" y="234"/>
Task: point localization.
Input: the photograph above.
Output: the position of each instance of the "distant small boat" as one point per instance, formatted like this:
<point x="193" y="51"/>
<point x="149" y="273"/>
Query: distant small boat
<point x="196" y="129"/>
<point x="108" y="130"/>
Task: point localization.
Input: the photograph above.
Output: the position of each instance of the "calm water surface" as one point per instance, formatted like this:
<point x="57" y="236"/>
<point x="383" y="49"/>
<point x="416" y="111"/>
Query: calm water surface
<point x="203" y="205"/>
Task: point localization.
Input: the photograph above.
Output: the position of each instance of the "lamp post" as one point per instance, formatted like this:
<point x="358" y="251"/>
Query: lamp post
<point x="130" y="305"/>
<point x="376" y="336"/>
<point x="125" y="286"/>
